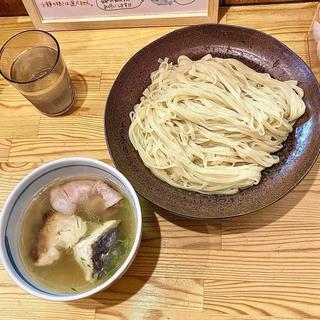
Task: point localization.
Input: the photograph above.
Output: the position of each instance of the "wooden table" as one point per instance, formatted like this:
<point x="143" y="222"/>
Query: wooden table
<point x="261" y="266"/>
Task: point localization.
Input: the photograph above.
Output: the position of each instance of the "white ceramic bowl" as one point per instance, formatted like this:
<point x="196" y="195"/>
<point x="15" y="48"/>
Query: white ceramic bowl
<point x="14" y="208"/>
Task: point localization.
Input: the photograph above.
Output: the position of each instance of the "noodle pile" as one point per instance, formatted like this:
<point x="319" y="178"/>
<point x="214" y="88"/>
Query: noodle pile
<point x="213" y="125"/>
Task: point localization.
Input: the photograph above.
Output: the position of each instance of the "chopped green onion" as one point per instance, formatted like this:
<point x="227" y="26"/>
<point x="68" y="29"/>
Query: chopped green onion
<point x="111" y="272"/>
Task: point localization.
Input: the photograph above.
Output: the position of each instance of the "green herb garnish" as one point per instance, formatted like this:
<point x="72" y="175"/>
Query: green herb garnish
<point x="96" y="220"/>
<point x="110" y="272"/>
<point x="126" y="244"/>
<point x="73" y="289"/>
<point x="82" y="237"/>
<point x="114" y="256"/>
<point x="99" y="221"/>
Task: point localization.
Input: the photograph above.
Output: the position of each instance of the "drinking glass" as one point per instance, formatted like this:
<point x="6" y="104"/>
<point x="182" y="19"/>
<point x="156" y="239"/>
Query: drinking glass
<point x="31" y="61"/>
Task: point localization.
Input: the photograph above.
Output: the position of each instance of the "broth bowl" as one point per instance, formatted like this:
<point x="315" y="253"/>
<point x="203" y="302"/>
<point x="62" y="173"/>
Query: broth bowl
<point x="15" y="206"/>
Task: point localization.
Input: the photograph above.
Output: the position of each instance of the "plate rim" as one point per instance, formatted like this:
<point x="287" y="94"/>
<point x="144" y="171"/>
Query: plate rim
<point x="171" y="208"/>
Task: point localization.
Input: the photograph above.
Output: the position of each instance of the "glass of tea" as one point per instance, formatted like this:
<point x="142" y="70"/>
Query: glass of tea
<point x="32" y="62"/>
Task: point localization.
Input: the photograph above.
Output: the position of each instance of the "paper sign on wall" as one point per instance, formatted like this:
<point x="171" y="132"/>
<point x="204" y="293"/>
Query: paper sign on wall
<point x="52" y="9"/>
<point x="79" y="14"/>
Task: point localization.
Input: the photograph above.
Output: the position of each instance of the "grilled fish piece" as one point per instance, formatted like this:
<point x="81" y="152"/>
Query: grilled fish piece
<point x="92" y="251"/>
<point x="59" y="232"/>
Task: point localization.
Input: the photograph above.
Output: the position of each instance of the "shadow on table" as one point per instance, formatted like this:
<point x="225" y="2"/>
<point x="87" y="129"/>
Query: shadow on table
<point x="146" y="260"/>
<point x="276" y="211"/>
<point x="222" y="14"/>
<point x="195" y="225"/>
<point x="250" y="221"/>
<point x="140" y="270"/>
<point x="81" y="90"/>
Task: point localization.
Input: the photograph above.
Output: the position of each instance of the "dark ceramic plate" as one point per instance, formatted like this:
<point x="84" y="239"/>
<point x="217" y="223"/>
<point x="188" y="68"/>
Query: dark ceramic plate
<point x="259" y="51"/>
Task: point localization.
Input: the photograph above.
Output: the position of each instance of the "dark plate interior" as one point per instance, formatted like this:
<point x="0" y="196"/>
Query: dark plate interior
<point x="259" y="51"/>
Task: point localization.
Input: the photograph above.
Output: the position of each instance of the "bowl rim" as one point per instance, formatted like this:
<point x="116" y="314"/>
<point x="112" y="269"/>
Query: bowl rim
<point x="16" y="192"/>
<point x="172" y="208"/>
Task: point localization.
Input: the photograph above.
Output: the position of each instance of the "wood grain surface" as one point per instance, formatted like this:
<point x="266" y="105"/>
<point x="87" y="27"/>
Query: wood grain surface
<point x="261" y="266"/>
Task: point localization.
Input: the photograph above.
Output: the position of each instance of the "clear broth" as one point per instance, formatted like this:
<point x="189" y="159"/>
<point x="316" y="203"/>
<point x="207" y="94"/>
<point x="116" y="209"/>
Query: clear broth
<point x="65" y="275"/>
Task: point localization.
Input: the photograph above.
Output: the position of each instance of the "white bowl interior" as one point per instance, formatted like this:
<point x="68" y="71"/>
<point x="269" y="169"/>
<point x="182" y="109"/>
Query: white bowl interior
<point x="14" y="208"/>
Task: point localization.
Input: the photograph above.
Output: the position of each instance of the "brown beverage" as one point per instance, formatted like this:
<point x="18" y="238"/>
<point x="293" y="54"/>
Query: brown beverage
<point x="54" y="93"/>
